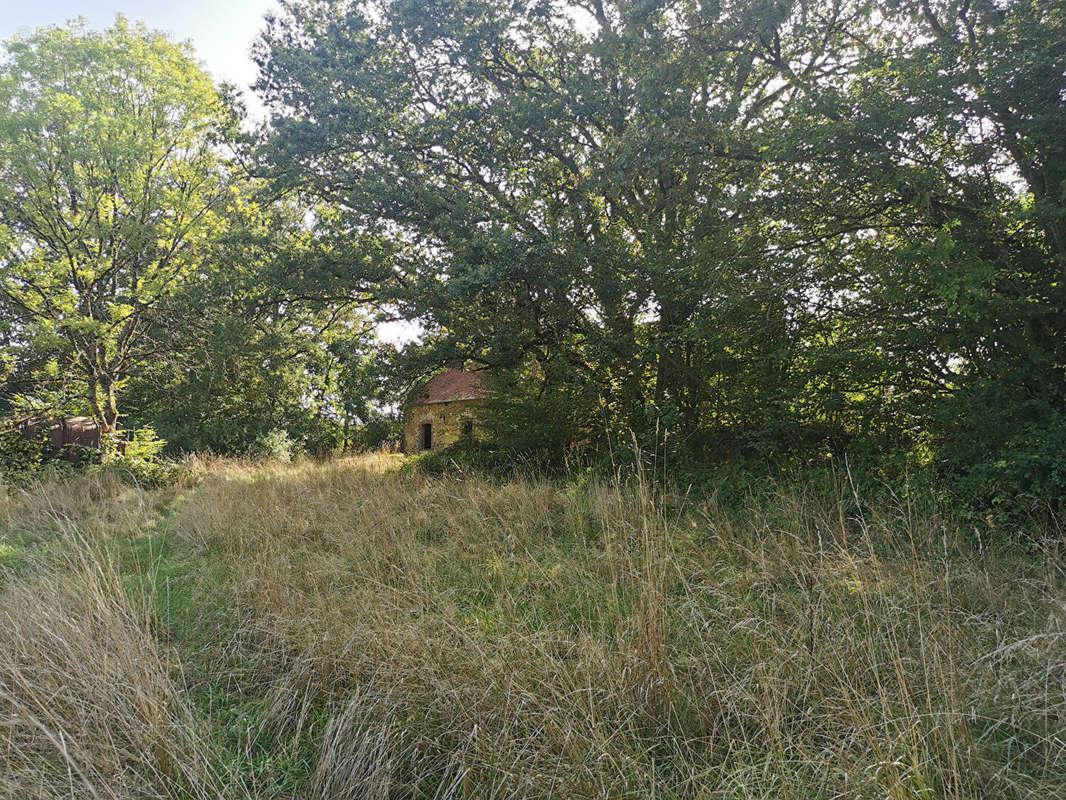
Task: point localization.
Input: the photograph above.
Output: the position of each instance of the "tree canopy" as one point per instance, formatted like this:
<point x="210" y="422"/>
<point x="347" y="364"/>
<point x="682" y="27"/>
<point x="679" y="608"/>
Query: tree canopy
<point x="770" y="225"/>
<point x="110" y="181"/>
<point x="724" y="230"/>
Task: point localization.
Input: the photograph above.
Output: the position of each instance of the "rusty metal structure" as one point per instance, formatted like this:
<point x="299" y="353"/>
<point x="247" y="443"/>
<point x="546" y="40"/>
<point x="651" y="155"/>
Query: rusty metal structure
<point x="69" y="437"/>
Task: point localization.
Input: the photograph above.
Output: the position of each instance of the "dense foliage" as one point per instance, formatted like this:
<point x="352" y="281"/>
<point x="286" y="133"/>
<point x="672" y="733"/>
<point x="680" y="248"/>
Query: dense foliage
<point x="110" y="181"/>
<point x="767" y="228"/>
<point x="715" y="231"/>
<point x="146" y="277"/>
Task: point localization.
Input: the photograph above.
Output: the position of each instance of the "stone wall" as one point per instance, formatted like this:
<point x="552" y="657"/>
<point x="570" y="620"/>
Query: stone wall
<point x="447" y="421"/>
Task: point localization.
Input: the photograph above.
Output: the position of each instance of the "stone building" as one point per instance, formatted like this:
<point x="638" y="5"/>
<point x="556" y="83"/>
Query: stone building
<point x="442" y="411"/>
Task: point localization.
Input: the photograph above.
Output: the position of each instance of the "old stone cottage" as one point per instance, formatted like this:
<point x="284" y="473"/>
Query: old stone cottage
<point x="442" y="411"/>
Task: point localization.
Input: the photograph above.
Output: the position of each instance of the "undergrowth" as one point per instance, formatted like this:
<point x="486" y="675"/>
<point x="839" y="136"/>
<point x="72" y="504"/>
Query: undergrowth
<point x="343" y="630"/>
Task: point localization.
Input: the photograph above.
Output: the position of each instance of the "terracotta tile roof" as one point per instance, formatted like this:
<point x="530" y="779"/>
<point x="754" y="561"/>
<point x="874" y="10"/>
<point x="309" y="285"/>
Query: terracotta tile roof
<point x="448" y="386"/>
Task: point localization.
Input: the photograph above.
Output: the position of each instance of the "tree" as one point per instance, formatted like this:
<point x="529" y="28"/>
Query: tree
<point x="578" y="184"/>
<point x="111" y="180"/>
<point x="774" y="225"/>
<point x="937" y="207"/>
<point x="255" y="344"/>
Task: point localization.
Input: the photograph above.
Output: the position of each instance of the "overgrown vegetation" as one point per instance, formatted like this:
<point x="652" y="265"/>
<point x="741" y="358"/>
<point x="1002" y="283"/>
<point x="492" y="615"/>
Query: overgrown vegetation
<point x="735" y="234"/>
<point x="738" y="231"/>
<point x="344" y="630"/>
<point x="22" y="457"/>
<point x="765" y="498"/>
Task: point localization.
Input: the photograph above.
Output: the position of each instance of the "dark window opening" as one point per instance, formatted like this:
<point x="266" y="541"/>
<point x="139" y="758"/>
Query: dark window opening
<point x="427" y="436"/>
<point x="468" y="427"/>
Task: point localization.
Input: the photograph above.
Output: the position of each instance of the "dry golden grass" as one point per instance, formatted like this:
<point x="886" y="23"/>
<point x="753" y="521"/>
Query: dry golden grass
<point x="91" y="505"/>
<point x="530" y="640"/>
<point x="351" y="632"/>
<point x="91" y="704"/>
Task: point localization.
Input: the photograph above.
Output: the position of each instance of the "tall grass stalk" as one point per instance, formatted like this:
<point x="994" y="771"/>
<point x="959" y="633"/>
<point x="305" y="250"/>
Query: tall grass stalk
<point x="91" y="702"/>
<point x="378" y="635"/>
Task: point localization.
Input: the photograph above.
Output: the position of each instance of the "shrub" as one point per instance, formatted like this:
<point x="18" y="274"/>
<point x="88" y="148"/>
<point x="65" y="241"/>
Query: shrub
<point x="275" y="445"/>
<point x="21" y="458"/>
<point x="1026" y="474"/>
<point x="142" y="458"/>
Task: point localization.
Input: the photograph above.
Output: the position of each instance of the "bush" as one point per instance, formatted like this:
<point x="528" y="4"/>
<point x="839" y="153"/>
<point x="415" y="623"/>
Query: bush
<point x="21" y="458"/>
<point x="141" y="458"/>
<point x="275" y="445"/>
<point x="1026" y="474"/>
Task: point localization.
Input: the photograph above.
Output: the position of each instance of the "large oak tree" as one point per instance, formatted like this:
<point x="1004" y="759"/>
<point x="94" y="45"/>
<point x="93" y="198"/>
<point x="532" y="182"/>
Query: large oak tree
<point x="749" y="218"/>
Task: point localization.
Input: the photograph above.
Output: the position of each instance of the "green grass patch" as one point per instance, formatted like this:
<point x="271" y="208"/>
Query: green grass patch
<point x="336" y="629"/>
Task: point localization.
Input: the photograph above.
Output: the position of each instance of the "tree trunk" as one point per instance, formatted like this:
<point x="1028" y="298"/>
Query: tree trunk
<point x="104" y="405"/>
<point x="110" y="418"/>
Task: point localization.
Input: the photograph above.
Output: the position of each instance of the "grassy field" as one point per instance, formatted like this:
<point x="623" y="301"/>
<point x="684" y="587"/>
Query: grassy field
<point x="342" y="630"/>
